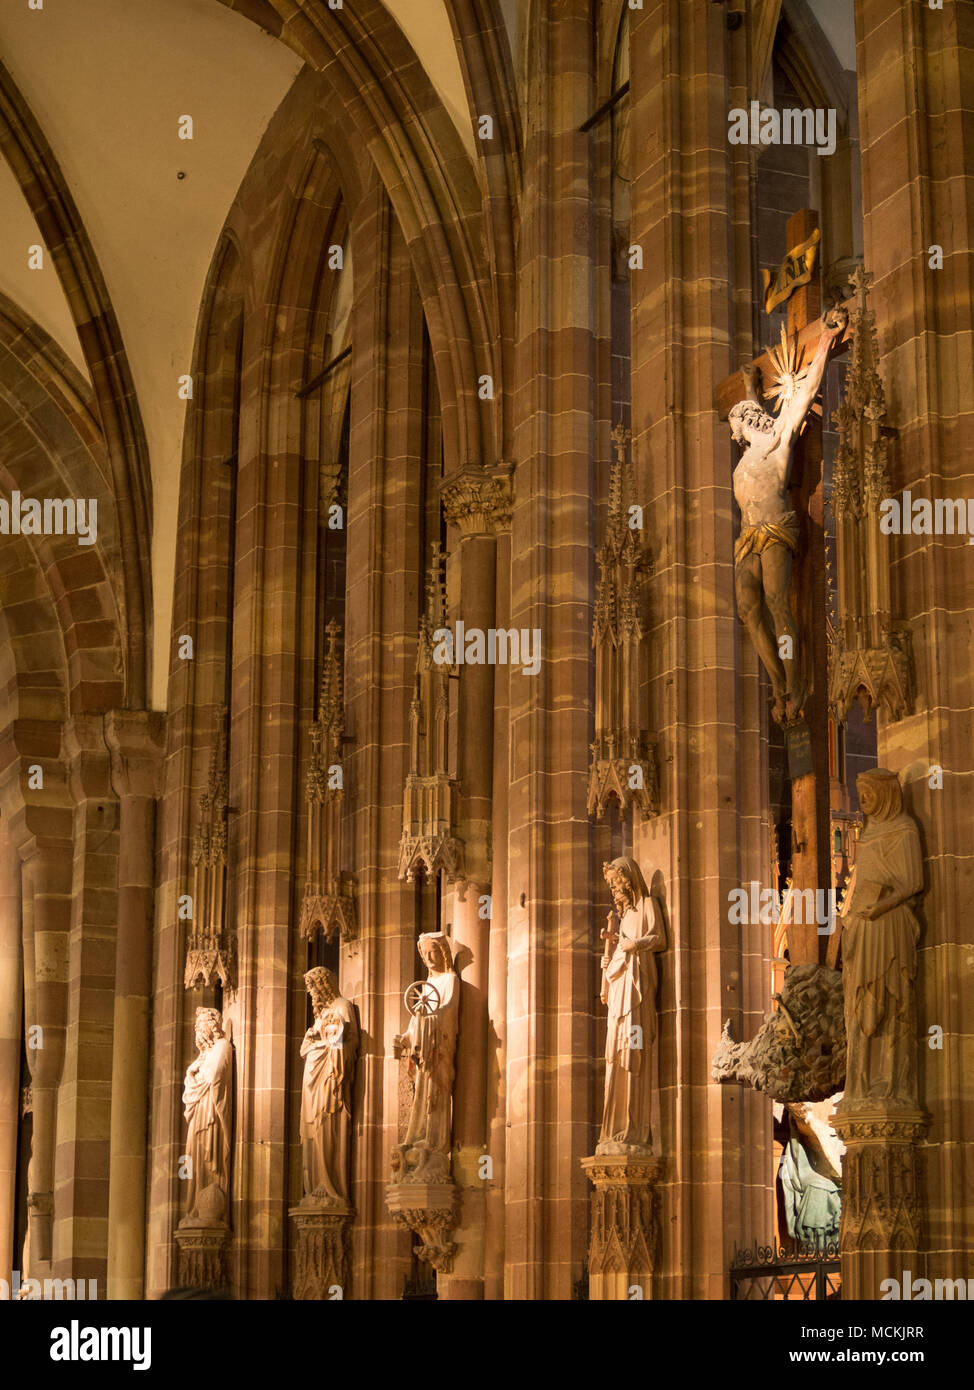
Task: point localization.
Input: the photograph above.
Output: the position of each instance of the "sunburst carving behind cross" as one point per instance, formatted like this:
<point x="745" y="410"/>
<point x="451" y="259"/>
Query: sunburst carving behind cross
<point x="790" y="370"/>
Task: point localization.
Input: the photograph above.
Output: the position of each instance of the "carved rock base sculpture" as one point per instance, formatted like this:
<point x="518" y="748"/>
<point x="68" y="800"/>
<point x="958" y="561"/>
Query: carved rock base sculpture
<point x="319" y="1269"/>
<point x="799" y="1052"/>
<point x="625" y="1225"/>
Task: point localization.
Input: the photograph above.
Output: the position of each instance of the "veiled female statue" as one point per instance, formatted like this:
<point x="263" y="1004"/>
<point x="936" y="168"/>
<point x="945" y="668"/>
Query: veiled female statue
<point x="206" y="1109"/>
<point x="636" y="931"/>
<point x="430" y="1043"/>
<point x="879" y="950"/>
<point x="329" y="1049"/>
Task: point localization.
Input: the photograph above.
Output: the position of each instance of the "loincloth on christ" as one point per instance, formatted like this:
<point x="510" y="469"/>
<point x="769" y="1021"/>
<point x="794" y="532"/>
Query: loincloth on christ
<point x="755" y="539"/>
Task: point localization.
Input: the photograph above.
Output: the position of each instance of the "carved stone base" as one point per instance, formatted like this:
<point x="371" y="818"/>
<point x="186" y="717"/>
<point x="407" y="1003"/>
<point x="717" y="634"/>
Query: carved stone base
<point x="880" y="1230"/>
<point x="429" y="1209"/>
<point x="625" y="1225"/>
<point x="319" y="1266"/>
<point x="203" y="1248"/>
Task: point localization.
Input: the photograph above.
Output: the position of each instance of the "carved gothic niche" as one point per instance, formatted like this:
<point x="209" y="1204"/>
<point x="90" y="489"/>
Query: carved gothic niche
<point x="623" y="767"/>
<point x="210" y="952"/>
<point x="870" y="657"/>
<point x="328" y="904"/>
<point x="428" y="843"/>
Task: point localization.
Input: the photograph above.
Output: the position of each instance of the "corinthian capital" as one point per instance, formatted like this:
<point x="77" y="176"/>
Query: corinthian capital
<point x="478" y="500"/>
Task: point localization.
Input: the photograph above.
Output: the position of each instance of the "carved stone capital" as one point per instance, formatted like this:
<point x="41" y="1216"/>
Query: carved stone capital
<point x="625" y="1224"/>
<point x="319" y="1264"/>
<point x="879" y="1124"/>
<point x="882" y="1210"/>
<point x="86" y="758"/>
<point x="478" y="501"/>
<point x="136" y="742"/>
<point x="429" y="1210"/>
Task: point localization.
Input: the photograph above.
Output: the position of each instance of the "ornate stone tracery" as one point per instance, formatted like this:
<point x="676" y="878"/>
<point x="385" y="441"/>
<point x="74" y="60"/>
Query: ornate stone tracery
<point x="623" y="766"/>
<point x="624" y="1225"/>
<point x="328" y="905"/>
<point x="870" y="656"/>
<point x="210" y="953"/>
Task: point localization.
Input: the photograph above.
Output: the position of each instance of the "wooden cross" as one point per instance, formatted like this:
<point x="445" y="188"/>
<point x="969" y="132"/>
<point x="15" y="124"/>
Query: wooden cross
<point x="808" y="736"/>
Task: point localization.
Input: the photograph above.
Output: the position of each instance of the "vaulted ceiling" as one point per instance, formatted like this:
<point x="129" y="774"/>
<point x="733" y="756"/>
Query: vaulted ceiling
<point x="107" y="82"/>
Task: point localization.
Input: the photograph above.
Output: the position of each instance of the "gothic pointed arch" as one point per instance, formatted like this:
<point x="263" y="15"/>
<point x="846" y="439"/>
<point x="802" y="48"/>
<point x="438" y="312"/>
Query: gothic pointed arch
<point x="23" y="145"/>
<point x="382" y="110"/>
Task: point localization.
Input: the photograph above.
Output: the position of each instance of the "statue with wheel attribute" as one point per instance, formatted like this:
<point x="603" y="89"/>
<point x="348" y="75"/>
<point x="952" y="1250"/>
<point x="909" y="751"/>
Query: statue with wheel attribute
<point x="429" y="1043"/>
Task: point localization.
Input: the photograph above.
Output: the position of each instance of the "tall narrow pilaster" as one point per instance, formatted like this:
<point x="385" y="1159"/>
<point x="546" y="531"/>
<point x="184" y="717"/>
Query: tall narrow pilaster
<point x="11" y="1043"/>
<point x="477" y="502"/>
<point x="134" y="739"/>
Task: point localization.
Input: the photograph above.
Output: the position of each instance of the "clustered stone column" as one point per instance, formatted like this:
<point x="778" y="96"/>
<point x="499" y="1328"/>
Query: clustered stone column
<point x="135" y="742"/>
<point x="478" y="503"/>
<point x="11" y="1023"/>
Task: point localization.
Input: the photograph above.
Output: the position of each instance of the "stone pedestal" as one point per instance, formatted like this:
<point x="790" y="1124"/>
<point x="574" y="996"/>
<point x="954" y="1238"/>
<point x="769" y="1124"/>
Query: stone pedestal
<point x="319" y="1269"/>
<point x="880" y="1229"/>
<point x="203" y="1250"/>
<point x="624" y="1232"/>
<point x="429" y="1209"/>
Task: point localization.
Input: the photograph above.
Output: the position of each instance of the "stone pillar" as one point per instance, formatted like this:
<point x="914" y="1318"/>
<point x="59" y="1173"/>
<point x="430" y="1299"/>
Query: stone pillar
<point x="691" y="326"/>
<point x="85" y="1095"/>
<point x="551" y="1041"/>
<point x="385" y="559"/>
<point x="916" y="121"/>
<point x="135" y="742"/>
<point x="47" y="878"/>
<point x="625" y="1226"/>
<point x="11" y="1042"/>
<point x="477" y="503"/>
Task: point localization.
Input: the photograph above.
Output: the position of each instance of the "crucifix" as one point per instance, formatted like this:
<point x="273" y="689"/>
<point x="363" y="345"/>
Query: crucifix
<point x="779" y="563"/>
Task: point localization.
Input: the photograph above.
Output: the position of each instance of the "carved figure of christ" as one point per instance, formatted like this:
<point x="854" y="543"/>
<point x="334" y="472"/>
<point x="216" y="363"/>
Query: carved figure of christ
<point x="769" y="529"/>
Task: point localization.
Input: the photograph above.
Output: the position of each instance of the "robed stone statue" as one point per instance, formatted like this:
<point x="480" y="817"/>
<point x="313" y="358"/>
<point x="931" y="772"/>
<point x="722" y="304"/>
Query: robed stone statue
<point x="430" y="1044"/>
<point x="879" y="950"/>
<point x="207" y="1090"/>
<point x="329" y="1049"/>
<point x="636" y="931"/>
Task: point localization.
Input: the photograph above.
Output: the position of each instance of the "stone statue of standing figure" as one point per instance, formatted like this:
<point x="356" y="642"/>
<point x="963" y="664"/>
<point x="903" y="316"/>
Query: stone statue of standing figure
<point x="636" y="931"/>
<point x="769" y="528"/>
<point x="207" y="1090"/>
<point x="879" y="951"/>
<point x="430" y="1043"/>
<point x="329" y="1049"/>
